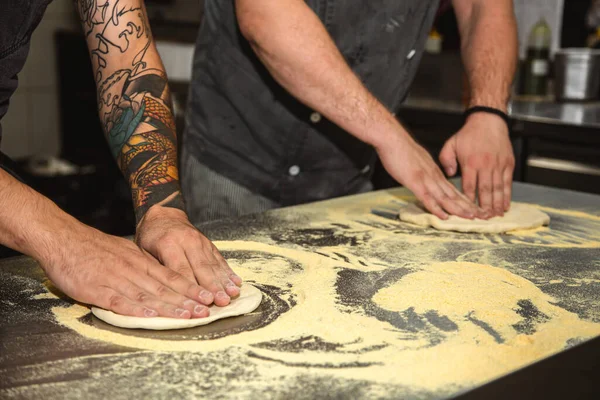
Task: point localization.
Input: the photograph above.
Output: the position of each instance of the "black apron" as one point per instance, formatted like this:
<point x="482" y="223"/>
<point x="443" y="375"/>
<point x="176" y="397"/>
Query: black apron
<point x="18" y="20"/>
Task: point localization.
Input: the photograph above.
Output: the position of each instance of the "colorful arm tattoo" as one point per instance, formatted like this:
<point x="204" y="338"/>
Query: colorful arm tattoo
<point x="133" y="100"/>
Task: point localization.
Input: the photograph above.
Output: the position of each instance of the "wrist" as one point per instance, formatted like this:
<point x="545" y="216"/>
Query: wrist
<point x="487" y="115"/>
<point x="172" y="200"/>
<point x="25" y="218"/>
<point x="50" y="233"/>
<point x="390" y="133"/>
<point x="158" y="212"/>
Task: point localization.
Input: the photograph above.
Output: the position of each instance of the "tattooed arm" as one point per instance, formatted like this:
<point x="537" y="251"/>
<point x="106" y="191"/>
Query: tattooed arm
<point x="133" y="100"/>
<point x="135" y="110"/>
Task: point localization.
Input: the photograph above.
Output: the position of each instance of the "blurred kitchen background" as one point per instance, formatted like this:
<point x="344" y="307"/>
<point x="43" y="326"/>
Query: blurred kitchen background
<point x="53" y="132"/>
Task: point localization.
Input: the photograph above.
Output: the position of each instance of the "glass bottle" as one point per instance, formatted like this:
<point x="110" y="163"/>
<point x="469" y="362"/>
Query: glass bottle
<point x="536" y="68"/>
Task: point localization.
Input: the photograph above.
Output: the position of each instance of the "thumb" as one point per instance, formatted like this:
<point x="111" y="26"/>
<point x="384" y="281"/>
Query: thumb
<point x="448" y="157"/>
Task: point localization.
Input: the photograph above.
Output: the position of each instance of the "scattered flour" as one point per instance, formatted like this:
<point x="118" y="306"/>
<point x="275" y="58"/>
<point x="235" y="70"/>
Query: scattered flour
<point x="492" y="337"/>
<point x="472" y="321"/>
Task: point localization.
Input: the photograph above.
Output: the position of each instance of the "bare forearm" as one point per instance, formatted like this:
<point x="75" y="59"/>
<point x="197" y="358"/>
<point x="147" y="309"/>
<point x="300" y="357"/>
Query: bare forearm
<point x="489" y="49"/>
<point x="29" y="222"/>
<point x="133" y="100"/>
<point x="295" y="47"/>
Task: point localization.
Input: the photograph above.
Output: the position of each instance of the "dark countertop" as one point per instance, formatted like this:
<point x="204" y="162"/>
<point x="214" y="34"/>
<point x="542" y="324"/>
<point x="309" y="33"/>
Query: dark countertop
<point x="319" y="332"/>
<point x="586" y="115"/>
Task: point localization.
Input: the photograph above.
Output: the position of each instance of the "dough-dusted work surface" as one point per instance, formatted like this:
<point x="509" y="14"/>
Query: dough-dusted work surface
<point x="248" y="300"/>
<point x="519" y="217"/>
<point x="356" y="304"/>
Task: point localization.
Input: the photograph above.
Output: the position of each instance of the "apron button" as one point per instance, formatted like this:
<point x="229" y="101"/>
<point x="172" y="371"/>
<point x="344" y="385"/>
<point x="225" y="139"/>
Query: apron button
<point x="294" y="170"/>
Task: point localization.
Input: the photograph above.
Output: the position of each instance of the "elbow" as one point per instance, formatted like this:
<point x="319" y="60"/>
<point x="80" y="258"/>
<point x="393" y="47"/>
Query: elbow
<point x="249" y="22"/>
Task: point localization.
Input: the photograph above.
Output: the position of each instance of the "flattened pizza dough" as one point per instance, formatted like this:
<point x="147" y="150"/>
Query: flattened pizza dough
<point x="520" y="216"/>
<point x="248" y="300"/>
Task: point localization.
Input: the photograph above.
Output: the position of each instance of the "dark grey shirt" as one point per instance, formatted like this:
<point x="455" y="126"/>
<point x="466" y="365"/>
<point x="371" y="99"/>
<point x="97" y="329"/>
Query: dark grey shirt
<point x="243" y="125"/>
<point x="18" y="20"/>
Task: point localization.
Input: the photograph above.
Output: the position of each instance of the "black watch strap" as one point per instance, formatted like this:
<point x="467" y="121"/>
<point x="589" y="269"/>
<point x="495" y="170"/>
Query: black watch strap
<point x="489" y="110"/>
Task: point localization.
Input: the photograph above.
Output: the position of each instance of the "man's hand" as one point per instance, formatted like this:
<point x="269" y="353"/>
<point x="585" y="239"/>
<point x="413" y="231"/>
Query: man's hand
<point x="167" y="234"/>
<point x="115" y="274"/>
<point x="483" y="150"/>
<point x="489" y="47"/>
<point x="411" y="165"/>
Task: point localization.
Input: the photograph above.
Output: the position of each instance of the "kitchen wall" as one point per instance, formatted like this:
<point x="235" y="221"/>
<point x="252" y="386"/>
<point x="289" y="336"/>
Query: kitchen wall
<point x="31" y="126"/>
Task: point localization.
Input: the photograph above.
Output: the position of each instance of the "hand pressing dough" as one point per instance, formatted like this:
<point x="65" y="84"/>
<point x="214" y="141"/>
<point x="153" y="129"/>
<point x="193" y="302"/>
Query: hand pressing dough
<point x="248" y="300"/>
<point x="520" y="216"/>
